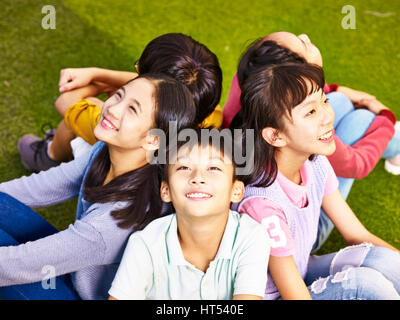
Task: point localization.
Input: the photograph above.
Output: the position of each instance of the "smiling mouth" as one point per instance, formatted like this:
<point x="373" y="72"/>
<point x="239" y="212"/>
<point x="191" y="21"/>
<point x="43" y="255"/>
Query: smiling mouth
<point x="108" y="124"/>
<point x="326" y="136"/>
<point x="198" y="196"/>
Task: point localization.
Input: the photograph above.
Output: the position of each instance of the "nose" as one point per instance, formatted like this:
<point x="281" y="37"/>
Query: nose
<point x="114" y="111"/>
<point x="304" y="37"/>
<point x="197" y="178"/>
<point x="328" y="115"/>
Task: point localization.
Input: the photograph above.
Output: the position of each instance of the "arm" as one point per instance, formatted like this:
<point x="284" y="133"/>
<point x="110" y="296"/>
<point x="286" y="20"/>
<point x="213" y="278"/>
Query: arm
<point x="70" y="250"/>
<point x="49" y="187"/>
<point x="354" y="95"/>
<point x="246" y="297"/>
<point x="70" y="97"/>
<point x="358" y="160"/>
<point x="92" y="241"/>
<point x="287" y="278"/>
<point x="282" y="266"/>
<point x="73" y="78"/>
<point x="347" y="223"/>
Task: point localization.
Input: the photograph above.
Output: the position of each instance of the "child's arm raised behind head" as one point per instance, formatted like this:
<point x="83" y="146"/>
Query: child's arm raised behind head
<point x="74" y="78"/>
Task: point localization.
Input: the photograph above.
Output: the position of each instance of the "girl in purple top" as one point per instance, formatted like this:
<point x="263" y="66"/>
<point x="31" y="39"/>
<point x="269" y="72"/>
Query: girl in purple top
<point x="118" y="193"/>
<point x="293" y="122"/>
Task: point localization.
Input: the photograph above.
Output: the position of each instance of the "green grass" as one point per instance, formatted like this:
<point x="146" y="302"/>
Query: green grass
<point x="112" y="34"/>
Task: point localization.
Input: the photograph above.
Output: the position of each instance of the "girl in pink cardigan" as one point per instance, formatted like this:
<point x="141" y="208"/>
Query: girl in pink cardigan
<point x="362" y="136"/>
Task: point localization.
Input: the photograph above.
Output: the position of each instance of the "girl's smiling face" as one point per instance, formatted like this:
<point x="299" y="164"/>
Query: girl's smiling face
<point x="309" y="130"/>
<point x="300" y="44"/>
<point x="200" y="182"/>
<point x="128" y="115"/>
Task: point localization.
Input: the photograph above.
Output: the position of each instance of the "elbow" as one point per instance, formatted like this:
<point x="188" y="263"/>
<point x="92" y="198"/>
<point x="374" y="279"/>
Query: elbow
<point x="61" y="104"/>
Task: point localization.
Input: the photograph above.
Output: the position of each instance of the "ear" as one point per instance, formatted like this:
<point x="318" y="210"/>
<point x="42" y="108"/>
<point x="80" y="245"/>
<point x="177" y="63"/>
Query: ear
<point x="152" y="142"/>
<point x="164" y="192"/>
<point x="237" y="191"/>
<point x="274" y="137"/>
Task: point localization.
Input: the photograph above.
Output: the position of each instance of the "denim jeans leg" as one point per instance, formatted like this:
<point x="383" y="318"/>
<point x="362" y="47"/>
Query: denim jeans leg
<point x="386" y="261"/>
<point x="340" y="104"/>
<point x="19" y="224"/>
<point x="393" y="148"/>
<point x="346" y="275"/>
<point x="354" y="284"/>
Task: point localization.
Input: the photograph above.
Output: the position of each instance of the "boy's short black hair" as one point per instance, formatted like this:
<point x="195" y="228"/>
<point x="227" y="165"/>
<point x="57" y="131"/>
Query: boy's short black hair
<point x="217" y="138"/>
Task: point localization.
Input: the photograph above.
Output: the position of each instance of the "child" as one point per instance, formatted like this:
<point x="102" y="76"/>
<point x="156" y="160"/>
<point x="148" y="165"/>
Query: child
<point x="204" y="250"/>
<point x="174" y="54"/>
<point x="117" y="189"/>
<point x="361" y="136"/>
<point x="292" y="179"/>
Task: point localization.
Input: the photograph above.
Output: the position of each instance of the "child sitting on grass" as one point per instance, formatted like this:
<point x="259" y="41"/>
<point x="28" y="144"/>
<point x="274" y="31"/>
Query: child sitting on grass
<point x="173" y="54"/>
<point x="204" y="250"/>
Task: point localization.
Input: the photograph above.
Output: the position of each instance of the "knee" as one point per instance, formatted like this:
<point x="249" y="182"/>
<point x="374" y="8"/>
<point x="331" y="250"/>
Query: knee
<point x="367" y="283"/>
<point x="340" y="101"/>
<point x="382" y="259"/>
<point x="362" y="117"/>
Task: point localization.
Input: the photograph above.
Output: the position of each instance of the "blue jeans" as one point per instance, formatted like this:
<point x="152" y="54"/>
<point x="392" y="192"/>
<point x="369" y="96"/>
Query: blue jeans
<point x="362" y="272"/>
<point x="20" y="224"/>
<point x="350" y="125"/>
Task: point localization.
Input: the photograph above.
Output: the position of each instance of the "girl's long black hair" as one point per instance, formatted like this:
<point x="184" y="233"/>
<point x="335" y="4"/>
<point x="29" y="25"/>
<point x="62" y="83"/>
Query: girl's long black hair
<point x="268" y="96"/>
<point x="140" y="188"/>
<point x="261" y="54"/>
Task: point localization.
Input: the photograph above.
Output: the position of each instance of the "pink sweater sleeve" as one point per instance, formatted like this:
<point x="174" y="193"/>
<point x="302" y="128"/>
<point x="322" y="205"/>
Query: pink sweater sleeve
<point x="232" y="105"/>
<point x="358" y="160"/>
<point x="273" y="218"/>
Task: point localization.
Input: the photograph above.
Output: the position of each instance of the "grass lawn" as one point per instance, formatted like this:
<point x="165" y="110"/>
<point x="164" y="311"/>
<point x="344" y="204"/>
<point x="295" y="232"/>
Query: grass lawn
<point x="112" y="34"/>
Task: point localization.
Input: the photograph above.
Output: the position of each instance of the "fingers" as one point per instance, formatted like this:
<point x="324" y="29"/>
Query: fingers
<point x="66" y="81"/>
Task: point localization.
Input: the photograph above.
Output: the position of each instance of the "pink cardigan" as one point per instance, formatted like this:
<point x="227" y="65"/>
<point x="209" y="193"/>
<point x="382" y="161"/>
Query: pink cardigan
<point x="355" y="161"/>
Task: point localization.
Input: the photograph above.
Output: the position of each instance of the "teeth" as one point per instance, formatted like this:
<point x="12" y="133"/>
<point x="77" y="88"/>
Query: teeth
<point x="108" y="124"/>
<point x="326" y="136"/>
<point x="198" y="195"/>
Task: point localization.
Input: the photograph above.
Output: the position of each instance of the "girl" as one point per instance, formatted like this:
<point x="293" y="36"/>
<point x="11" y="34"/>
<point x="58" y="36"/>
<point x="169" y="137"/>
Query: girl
<point x="117" y="189"/>
<point x="204" y="250"/>
<point x="361" y="135"/>
<point x="174" y="54"/>
<point x="292" y="179"/>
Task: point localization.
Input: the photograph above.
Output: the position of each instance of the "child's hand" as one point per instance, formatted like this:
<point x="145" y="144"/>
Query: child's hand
<point x="372" y="105"/>
<point x="73" y="78"/>
<point x="355" y="96"/>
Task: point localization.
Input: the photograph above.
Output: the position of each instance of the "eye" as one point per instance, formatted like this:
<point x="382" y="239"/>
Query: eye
<point x="182" y="168"/>
<point x="214" y="169"/>
<point x="311" y="112"/>
<point x="133" y="108"/>
<point x="117" y="95"/>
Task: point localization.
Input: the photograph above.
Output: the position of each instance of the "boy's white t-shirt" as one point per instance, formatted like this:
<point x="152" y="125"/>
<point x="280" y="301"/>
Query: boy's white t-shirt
<point x="153" y="265"/>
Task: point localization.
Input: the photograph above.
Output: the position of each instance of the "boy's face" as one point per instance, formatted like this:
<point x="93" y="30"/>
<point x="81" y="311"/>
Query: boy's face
<point x="201" y="182"/>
